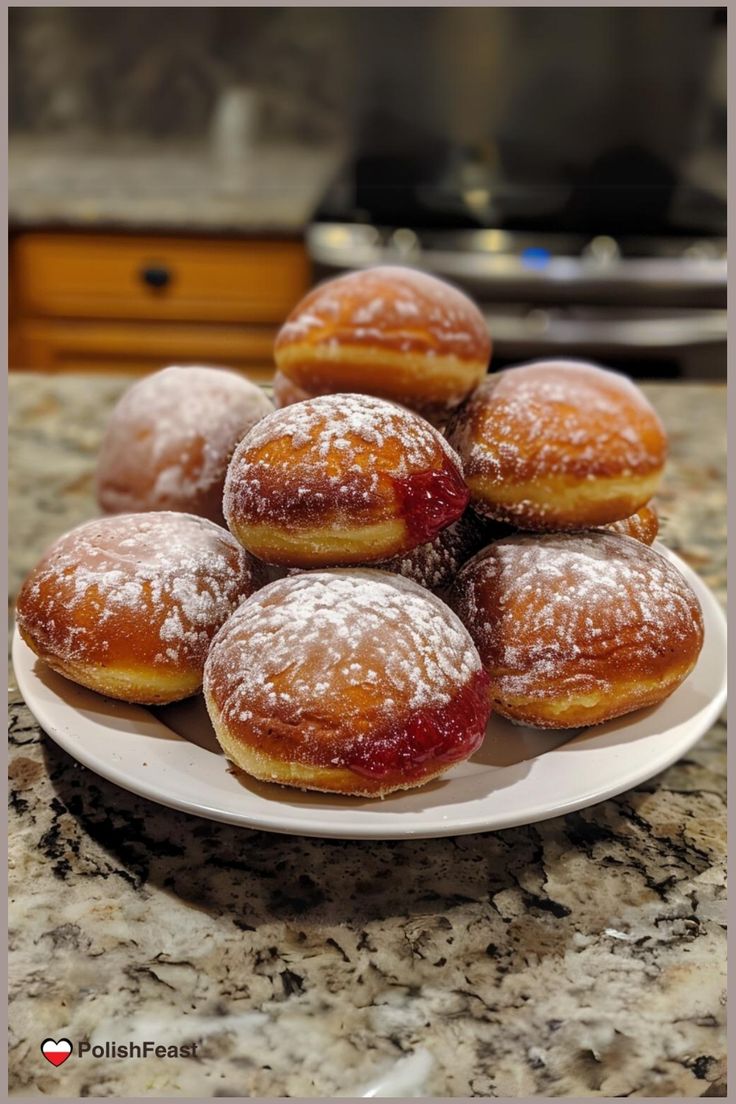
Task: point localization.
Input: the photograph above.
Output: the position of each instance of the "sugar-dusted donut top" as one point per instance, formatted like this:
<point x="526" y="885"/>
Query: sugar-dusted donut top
<point x="334" y="446"/>
<point x="552" y="418"/>
<point x="172" y="433"/>
<point x="389" y="307"/>
<point x="350" y="649"/>
<point x="153" y="585"/>
<point x="561" y="609"/>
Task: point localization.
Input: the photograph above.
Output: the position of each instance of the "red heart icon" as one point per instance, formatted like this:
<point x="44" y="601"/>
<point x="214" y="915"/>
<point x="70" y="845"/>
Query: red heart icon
<point x="56" y="1052"/>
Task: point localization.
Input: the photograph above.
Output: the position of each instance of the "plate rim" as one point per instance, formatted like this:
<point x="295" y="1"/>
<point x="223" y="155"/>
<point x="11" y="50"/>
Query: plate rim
<point x="307" y="824"/>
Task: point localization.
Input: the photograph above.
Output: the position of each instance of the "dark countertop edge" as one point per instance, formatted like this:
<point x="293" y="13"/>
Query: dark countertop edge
<point x="148" y="228"/>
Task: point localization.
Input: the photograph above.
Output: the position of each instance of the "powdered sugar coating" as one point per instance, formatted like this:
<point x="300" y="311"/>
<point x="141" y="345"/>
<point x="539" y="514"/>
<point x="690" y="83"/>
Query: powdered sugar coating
<point x="551" y="418"/>
<point x="390" y="306"/>
<point x="329" y="451"/>
<point x="435" y="564"/>
<point x="333" y="654"/>
<point x="143" y="588"/>
<point x="568" y="613"/>
<point x="349" y="423"/>
<point x="170" y="437"/>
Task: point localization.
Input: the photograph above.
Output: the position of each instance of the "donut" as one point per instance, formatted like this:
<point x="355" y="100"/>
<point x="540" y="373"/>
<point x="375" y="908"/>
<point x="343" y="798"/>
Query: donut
<point x="642" y="526"/>
<point x="127" y="605"/>
<point x="170" y="437"/>
<point x="341" y="479"/>
<point x="388" y="331"/>
<point x="349" y="681"/>
<point x="576" y="628"/>
<point x="559" y="444"/>
<point x="286" y="392"/>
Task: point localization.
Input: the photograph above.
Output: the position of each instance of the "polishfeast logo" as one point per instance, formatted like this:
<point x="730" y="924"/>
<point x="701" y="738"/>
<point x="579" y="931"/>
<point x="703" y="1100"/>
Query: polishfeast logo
<point x="56" y="1051"/>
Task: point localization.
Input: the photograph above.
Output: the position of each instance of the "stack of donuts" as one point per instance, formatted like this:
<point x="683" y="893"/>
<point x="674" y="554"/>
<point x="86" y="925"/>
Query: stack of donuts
<point x="357" y="577"/>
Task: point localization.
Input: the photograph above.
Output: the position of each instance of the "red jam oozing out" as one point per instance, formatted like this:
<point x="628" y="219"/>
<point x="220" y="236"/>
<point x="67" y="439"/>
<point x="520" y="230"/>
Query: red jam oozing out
<point x="430" y="738"/>
<point x="431" y="500"/>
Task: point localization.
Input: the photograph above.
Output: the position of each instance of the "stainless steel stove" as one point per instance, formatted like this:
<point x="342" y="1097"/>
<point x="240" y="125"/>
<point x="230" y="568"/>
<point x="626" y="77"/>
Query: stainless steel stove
<point x="652" y="306"/>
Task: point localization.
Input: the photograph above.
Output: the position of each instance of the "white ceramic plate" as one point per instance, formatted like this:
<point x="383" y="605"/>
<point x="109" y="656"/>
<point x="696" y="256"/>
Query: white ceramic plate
<point x="518" y="776"/>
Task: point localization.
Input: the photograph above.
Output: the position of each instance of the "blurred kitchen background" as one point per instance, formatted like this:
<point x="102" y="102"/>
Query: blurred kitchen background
<point x="180" y="177"/>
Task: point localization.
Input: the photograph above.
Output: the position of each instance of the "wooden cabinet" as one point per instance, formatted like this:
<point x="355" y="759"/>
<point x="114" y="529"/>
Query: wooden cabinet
<point x="97" y="302"/>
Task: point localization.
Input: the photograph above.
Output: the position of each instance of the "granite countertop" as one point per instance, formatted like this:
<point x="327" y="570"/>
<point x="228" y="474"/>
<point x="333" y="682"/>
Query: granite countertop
<point x="132" y="185"/>
<point x="584" y="956"/>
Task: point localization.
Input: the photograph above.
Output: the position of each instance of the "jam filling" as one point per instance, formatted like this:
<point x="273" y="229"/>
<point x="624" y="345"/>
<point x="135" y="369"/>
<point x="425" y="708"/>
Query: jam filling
<point x="431" y="500"/>
<point x="431" y="737"/>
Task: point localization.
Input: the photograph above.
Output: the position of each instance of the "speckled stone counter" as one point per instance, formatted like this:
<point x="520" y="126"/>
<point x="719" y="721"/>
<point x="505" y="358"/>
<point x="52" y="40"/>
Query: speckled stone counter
<point x="584" y="956"/>
<point x="130" y="185"/>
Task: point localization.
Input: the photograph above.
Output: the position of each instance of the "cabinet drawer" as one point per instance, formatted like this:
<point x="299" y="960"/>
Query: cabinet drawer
<point x="58" y="275"/>
<point x="83" y="346"/>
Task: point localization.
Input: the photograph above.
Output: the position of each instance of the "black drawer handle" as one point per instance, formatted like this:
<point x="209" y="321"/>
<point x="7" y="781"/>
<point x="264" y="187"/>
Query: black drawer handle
<point x="156" y="276"/>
